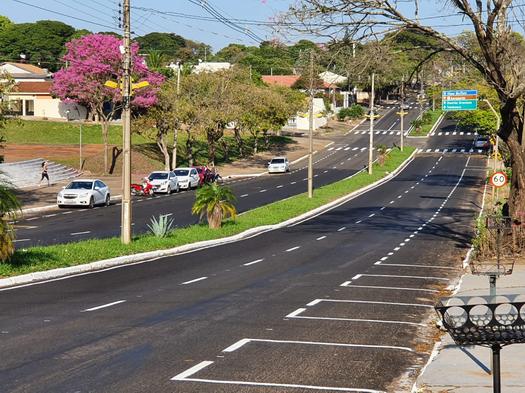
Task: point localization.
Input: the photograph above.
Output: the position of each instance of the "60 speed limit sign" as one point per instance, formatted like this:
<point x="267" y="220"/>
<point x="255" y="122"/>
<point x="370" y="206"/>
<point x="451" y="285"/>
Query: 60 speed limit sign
<point x="498" y="179"/>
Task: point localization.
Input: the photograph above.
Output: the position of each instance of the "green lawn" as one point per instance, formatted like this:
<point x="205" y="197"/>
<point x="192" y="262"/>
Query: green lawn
<point x="62" y="133"/>
<point x="50" y="257"/>
<point x="428" y="124"/>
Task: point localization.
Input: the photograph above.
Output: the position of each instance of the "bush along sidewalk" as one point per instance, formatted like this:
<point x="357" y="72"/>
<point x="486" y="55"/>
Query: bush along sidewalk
<point x="425" y="123"/>
<point x="50" y="257"/>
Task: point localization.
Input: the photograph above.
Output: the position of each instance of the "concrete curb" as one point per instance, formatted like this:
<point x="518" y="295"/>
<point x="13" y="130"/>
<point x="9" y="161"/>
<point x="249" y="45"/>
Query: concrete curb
<point x="127" y="260"/>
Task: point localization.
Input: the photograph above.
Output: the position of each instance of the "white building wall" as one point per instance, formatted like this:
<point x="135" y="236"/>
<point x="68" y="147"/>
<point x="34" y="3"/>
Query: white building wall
<point x="53" y="108"/>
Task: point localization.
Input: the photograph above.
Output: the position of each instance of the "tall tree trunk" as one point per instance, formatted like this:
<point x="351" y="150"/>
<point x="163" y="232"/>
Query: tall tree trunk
<point x="266" y="139"/>
<point x="240" y="142"/>
<point x="161" y="143"/>
<point x="174" y="148"/>
<point x="255" y="143"/>
<point x="105" y="127"/>
<point x="212" y="148"/>
<point x="189" y="148"/>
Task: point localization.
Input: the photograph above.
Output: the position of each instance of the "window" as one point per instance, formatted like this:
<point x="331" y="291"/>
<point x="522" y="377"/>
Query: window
<point x="181" y="172"/>
<point x="158" y="176"/>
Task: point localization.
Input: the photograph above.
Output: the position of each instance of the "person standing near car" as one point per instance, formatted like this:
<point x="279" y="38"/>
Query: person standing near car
<point x="44" y="173"/>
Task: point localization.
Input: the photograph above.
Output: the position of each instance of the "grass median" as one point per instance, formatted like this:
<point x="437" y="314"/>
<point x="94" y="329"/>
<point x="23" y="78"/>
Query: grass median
<point x="36" y="259"/>
<point x="427" y="122"/>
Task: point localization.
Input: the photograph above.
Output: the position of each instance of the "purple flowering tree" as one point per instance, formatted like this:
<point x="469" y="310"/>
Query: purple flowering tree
<point x="91" y="61"/>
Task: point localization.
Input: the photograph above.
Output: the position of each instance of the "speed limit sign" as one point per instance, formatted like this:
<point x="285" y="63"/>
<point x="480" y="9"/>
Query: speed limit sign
<point x="498" y="179"/>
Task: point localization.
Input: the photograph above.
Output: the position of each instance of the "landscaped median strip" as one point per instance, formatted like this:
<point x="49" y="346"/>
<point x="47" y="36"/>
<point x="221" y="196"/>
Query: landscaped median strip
<point x="35" y="264"/>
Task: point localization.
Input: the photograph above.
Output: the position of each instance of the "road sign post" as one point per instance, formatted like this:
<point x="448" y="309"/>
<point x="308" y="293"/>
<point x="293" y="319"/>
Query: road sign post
<point x="459" y="100"/>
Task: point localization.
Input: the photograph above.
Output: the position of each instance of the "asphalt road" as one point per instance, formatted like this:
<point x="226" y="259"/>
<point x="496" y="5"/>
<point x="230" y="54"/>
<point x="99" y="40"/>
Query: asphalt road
<point x="337" y="303"/>
<point x="345" y="157"/>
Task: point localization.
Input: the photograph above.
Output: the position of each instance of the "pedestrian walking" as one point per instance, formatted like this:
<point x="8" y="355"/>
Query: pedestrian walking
<point x="44" y="173"/>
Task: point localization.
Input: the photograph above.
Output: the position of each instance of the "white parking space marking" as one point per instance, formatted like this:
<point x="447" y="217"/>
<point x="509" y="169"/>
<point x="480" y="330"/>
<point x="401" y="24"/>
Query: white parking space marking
<point x="253" y="262"/>
<point x="348" y="284"/>
<point x="415" y="266"/>
<point x="295" y="315"/>
<point x="103" y="306"/>
<point x="293" y="249"/>
<point x="185" y="376"/>
<point x="244" y="341"/>
<point x="80" y="233"/>
<point x="192" y="281"/>
<point x="398" y="276"/>
<point x="317" y="301"/>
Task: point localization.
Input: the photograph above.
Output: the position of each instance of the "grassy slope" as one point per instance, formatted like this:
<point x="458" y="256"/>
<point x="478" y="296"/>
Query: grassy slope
<point x="44" y="258"/>
<point x="426" y="127"/>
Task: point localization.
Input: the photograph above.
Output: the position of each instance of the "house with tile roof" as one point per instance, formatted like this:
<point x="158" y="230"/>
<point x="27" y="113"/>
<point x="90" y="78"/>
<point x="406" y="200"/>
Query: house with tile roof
<point x="31" y="94"/>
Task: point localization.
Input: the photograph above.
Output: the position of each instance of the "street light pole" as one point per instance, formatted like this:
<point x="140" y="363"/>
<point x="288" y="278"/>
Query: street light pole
<point x="126" y="125"/>
<point x="80" y="148"/>
<point x="371" y="144"/>
<point x="311" y="130"/>
<point x="496" y="146"/>
<point x="402" y="113"/>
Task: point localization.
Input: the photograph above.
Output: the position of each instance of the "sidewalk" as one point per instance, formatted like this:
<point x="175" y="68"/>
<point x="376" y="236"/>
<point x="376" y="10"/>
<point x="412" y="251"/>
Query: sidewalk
<point x="467" y="369"/>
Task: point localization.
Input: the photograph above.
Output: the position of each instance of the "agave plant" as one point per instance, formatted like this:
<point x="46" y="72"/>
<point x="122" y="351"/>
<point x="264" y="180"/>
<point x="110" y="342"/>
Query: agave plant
<point x="8" y="204"/>
<point x="162" y="226"/>
<point x="216" y="202"/>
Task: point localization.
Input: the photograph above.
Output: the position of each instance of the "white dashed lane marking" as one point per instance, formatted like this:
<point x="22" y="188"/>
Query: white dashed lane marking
<point x="195" y="280"/>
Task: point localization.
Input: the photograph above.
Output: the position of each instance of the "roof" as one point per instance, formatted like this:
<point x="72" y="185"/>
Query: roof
<point x="211" y="67"/>
<point x="289" y="81"/>
<point x="281" y="80"/>
<point x="330" y="77"/>
<point x="43" y="87"/>
<point x="23" y="70"/>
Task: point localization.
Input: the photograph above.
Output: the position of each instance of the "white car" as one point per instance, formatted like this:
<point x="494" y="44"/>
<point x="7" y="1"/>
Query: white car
<point x="188" y="177"/>
<point x="278" y="165"/>
<point x="84" y="192"/>
<point x="164" y="181"/>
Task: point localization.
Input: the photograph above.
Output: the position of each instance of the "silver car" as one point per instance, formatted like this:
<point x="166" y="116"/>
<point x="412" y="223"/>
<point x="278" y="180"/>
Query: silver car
<point x="84" y="192"/>
<point x="278" y="165"/>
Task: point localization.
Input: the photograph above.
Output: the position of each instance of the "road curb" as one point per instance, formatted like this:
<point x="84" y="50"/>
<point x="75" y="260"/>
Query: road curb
<point x="112" y="263"/>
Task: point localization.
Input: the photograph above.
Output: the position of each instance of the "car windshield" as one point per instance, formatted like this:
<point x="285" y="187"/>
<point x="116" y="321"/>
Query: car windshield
<point x="483" y="138"/>
<point x="158" y="176"/>
<point x="181" y="172"/>
<point x="278" y="161"/>
<point x="80" y="185"/>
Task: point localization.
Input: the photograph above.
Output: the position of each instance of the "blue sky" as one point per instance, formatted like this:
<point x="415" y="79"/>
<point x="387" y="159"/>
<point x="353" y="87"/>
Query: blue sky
<point x="105" y="12"/>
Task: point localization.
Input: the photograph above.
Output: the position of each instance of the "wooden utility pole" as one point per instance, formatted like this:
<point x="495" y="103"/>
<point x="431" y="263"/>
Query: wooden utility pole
<point x="311" y="130"/>
<point x="402" y="113"/>
<point x="371" y="144"/>
<point x="126" y="125"/>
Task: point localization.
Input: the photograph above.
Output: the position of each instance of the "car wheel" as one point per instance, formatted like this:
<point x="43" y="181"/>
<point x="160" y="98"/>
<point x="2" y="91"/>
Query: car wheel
<point x="61" y="206"/>
<point x="108" y="199"/>
<point x="91" y="203"/>
<point x="168" y="190"/>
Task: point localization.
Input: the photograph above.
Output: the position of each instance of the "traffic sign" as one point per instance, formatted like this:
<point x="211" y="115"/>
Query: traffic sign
<point x="459" y="100"/>
<point x="498" y="179"/>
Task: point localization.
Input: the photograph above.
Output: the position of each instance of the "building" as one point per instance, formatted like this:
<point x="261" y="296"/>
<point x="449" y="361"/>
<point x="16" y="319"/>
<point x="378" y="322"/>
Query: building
<point x="31" y="94"/>
<point x="291" y="80"/>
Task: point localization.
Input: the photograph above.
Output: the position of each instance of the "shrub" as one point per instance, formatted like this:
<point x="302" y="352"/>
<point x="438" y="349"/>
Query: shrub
<point x="356" y="111"/>
<point x="162" y="226"/>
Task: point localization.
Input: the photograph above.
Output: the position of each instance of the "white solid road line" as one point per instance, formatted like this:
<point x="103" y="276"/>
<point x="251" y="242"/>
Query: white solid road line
<point x="192" y="281"/>
<point x="400" y="276"/>
<point x="21" y="240"/>
<point x="80" y="233"/>
<point x="253" y="262"/>
<point x="293" y="248"/>
<point x="103" y="306"/>
<point x="189" y="372"/>
<point x="317" y="301"/>
<point x="415" y="266"/>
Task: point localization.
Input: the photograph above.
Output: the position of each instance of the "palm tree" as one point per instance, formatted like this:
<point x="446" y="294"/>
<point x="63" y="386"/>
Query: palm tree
<point x="8" y="204"/>
<point x="216" y="202"/>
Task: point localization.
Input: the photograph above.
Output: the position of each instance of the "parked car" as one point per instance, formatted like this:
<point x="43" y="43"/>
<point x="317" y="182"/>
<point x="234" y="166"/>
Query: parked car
<point x="482" y="142"/>
<point x="164" y="181"/>
<point x="84" y="192"/>
<point x="278" y="164"/>
<point x="202" y="172"/>
<point x="188" y="177"/>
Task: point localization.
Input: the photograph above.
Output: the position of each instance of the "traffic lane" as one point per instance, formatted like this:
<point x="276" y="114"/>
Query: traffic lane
<point x="105" y="222"/>
<point x="324" y="267"/>
<point x="185" y="269"/>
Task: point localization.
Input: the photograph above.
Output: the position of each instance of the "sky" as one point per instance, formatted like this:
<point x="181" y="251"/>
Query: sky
<point x="150" y="15"/>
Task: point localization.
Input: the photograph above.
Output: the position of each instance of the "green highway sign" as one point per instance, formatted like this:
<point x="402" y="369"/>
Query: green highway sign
<point x="460" y="100"/>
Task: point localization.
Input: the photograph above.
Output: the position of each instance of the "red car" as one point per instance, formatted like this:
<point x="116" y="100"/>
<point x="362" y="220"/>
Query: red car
<point x="202" y="171"/>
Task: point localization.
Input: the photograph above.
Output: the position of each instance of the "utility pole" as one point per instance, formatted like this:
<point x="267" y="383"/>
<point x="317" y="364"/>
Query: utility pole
<point x="496" y="146"/>
<point x="311" y="130"/>
<point x="371" y="145"/>
<point x="126" y="123"/>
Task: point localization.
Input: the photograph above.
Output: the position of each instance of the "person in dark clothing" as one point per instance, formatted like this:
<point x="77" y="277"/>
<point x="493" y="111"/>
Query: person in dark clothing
<point x="44" y="173"/>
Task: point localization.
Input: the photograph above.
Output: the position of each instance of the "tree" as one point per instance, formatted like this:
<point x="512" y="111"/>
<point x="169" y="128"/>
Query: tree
<point x="498" y="55"/>
<point x="93" y="60"/>
<point x="5" y="22"/>
<point x="41" y="42"/>
<point x="216" y="202"/>
<point x="8" y="204"/>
